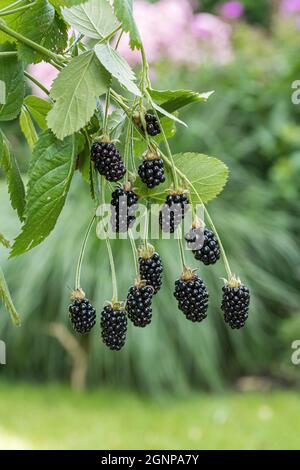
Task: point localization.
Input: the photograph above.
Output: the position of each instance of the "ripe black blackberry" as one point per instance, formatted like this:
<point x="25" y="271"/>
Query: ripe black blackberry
<point x="192" y="296"/>
<point x="152" y="124"/>
<point x="151" y="171"/>
<point x="235" y="303"/>
<point x="124" y="204"/>
<point x="204" y="245"/>
<point x="138" y="304"/>
<point x="173" y="211"/>
<point x="81" y="312"/>
<point x="150" y="268"/>
<point x="107" y="160"/>
<point x="113" y="326"/>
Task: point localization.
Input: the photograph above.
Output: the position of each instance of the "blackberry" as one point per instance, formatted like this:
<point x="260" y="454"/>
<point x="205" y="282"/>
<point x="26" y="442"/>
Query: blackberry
<point x="150" y="268"/>
<point x="235" y="303"/>
<point x="204" y="245"/>
<point x="151" y="171"/>
<point x="152" y="124"/>
<point x="124" y="204"/>
<point x="81" y="312"/>
<point x="192" y="296"/>
<point x="113" y="326"/>
<point x="173" y="211"/>
<point x="107" y="160"/>
<point x="138" y="305"/>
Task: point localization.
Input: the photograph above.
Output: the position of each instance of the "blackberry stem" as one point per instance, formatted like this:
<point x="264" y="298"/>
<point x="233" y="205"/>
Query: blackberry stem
<point x="81" y="255"/>
<point x="12" y="5"/>
<point x="16" y="10"/>
<point x="105" y="122"/>
<point x="36" y="82"/>
<point x="181" y="251"/>
<point x="109" y="250"/>
<point x="28" y="42"/>
<point x="146" y="228"/>
<point x="134" y="252"/>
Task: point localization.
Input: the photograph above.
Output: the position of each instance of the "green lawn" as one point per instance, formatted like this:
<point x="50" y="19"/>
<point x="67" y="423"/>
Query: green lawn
<point x="57" y="418"/>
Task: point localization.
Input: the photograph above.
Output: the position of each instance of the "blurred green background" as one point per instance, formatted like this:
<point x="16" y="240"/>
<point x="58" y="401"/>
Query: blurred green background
<point x="179" y="385"/>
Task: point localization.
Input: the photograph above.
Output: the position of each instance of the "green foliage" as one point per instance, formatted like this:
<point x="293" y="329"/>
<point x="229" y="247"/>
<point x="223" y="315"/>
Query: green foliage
<point x="11" y="73"/>
<point x="173" y="100"/>
<point x="50" y="174"/>
<point x="74" y="107"/>
<point x="5" y="297"/>
<point x="51" y="31"/>
<point x="66" y="3"/>
<point x="38" y="108"/>
<point x="94" y="19"/>
<point x="27" y="127"/>
<point x="124" y="13"/>
<point x="14" y="181"/>
<point x="208" y="176"/>
<point x="117" y="66"/>
<point x="3" y="241"/>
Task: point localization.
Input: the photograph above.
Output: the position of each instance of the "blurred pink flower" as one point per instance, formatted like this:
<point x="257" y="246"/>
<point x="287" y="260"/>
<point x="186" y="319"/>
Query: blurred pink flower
<point x="232" y="10"/>
<point x="288" y="7"/>
<point x="171" y="30"/>
<point x="44" y="73"/>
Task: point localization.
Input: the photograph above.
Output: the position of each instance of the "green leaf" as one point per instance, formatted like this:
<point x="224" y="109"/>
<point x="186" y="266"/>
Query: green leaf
<point x="75" y="90"/>
<point x="15" y="184"/>
<point x="4" y="241"/>
<point x="50" y="174"/>
<point x="38" y="109"/>
<point x="117" y="66"/>
<point x="42" y="24"/>
<point x="116" y="121"/>
<point x="208" y="176"/>
<point x="12" y="75"/>
<point x="66" y="3"/>
<point x="174" y="100"/>
<point x="164" y="112"/>
<point x="7" y="300"/>
<point x="95" y="18"/>
<point x="124" y="13"/>
<point x="27" y="127"/>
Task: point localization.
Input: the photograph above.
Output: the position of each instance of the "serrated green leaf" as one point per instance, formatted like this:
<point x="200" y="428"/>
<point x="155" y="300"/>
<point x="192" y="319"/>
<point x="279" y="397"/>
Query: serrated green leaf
<point x="124" y="13"/>
<point x="117" y="66"/>
<point x="4" y="241"/>
<point x="50" y="174"/>
<point x="27" y="127"/>
<point x="38" y="109"/>
<point x="208" y="176"/>
<point x="12" y="75"/>
<point x="7" y="300"/>
<point x="173" y="100"/>
<point x="42" y="24"/>
<point x="75" y="91"/>
<point x="95" y="18"/>
<point x="15" y="184"/>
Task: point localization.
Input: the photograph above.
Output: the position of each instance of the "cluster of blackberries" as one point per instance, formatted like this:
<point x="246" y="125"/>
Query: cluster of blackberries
<point x="107" y="160"/>
<point x="235" y="304"/>
<point x="173" y="211"/>
<point x="81" y="312"/>
<point x="124" y="204"/>
<point x="204" y="245"/>
<point x="192" y="296"/>
<point x="151" y="171"/>
<point x="152" y="124"/>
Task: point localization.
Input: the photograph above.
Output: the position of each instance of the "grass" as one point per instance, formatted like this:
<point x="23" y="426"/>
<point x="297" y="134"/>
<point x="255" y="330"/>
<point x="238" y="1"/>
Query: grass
<point x="55" y="417"/>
